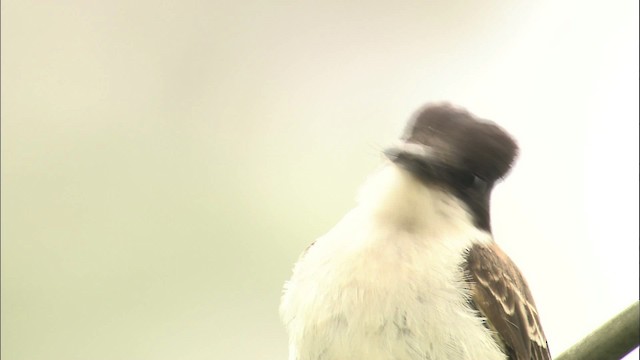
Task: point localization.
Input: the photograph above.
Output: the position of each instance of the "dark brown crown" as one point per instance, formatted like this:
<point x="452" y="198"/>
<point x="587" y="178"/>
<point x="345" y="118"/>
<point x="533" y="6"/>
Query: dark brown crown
<point x="461" y="140"/>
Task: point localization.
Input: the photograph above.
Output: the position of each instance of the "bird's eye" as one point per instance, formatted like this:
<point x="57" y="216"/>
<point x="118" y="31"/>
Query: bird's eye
<point x="469" y="180"/>
<point x="464" y="179"/>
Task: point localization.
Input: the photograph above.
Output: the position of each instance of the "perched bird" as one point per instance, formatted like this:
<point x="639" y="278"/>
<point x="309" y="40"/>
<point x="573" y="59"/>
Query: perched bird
<point x="413" y="272"/>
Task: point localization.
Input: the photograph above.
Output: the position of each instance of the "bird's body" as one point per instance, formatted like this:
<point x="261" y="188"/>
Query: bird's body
<point x="373" y="288"/>
<point x="392" y="280"/>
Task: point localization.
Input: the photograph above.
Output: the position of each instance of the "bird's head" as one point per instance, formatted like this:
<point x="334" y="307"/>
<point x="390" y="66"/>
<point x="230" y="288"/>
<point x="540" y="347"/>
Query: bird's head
<point x="447" y="147"/>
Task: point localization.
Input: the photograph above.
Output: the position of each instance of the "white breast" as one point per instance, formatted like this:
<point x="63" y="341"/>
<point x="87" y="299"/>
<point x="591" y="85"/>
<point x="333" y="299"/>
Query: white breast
<point x="386" y="283"/>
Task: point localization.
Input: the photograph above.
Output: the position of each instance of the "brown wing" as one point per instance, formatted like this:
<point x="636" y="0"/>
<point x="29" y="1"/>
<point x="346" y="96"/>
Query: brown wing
<point x="501" y="294"/>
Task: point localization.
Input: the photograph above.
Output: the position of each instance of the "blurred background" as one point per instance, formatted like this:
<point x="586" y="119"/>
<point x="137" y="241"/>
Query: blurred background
<point x="164" y="163"/>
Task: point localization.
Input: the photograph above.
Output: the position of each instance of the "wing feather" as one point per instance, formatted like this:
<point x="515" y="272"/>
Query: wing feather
<point x="502" y="296"/>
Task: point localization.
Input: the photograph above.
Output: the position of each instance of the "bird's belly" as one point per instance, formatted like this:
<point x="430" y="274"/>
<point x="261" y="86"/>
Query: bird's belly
<point x="387" y="301"/>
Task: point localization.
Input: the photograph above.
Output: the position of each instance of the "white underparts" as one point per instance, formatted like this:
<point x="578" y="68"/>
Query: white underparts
<point x="387" y="283"/>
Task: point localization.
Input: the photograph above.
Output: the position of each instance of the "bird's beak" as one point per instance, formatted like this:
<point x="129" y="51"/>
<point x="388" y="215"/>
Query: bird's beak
<point x="404" y="151"/>
<point x="421" y="160"/>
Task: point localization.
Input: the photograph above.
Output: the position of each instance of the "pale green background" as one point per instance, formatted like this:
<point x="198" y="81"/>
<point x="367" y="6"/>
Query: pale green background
<point x="164" y="163"/>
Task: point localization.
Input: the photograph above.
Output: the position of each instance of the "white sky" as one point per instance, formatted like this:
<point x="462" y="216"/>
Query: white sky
<point x="163" y="164"/>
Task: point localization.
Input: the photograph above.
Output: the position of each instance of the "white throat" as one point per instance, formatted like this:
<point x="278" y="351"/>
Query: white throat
<point x="393" y="195"/>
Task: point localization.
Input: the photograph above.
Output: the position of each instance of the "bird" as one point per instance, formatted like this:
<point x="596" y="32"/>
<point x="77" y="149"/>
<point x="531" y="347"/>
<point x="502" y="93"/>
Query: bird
<point x="413" y="271"/>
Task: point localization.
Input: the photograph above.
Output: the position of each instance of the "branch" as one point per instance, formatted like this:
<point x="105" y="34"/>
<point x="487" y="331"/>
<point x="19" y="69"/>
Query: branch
<point x="613" y="340"/>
